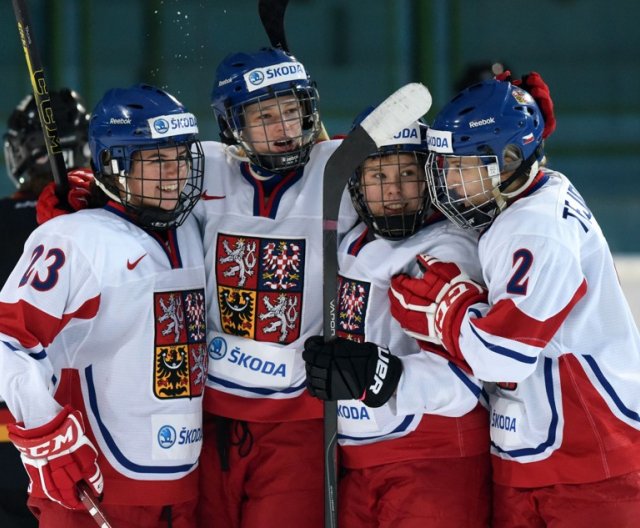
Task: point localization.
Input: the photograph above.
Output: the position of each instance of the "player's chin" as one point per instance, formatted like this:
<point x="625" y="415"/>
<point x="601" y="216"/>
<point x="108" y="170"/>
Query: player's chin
<point x="164" y="203"/>
<point x="168" y="205"/>
<point x="290" y="146"/>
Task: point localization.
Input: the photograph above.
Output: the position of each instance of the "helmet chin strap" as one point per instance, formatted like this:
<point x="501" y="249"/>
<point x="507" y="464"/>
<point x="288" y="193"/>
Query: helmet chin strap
<point x="106" y="191"/>
<point x="122" y="180"/>
<point x="528" y="167"/>
<point x="533" y="170"/>
<point x="236" y="152"/>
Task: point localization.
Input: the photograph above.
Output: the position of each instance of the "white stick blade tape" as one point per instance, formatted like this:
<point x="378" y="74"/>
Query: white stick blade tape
<point x="399" y="110"/>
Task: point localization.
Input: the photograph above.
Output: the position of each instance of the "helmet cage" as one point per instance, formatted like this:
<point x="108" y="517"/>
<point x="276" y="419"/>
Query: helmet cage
<point x="399" y="215"/>
<point x="235" y="122"/>
<point x="118" y="181"/>
<point x="470" y="202"/>
<point x="490" y="129"/>
<point x="25" y="150"/>
<point x="243" y="79"/>
<point x="146" y="156"/>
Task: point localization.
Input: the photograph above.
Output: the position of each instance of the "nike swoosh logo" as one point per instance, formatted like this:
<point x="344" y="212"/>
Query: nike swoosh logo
<point x="206" y="196"/>
<point x="132" y="265"/>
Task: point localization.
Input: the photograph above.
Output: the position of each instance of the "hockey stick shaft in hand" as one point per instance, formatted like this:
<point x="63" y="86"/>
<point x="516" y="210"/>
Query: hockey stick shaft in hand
<point x="89" y="502"/>
<point x="399" y="110"/>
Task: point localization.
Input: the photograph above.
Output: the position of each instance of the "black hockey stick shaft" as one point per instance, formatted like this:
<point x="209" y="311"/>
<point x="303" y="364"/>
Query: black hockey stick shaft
<point x="42" y="99"/>
<point x="399" y="110"/>
<point x="272" y="16"/>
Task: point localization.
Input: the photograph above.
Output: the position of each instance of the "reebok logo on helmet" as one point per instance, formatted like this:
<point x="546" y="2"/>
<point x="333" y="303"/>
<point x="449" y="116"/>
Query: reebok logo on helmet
<point x="120" y="121"/>
<point x="481" y="122"/>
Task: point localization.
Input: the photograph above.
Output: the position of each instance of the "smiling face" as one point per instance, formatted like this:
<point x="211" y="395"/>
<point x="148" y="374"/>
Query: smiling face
<point x="467" y="177"/>
<point x="274" y="126"/>
<point x="158" y="176"/>
<point x="393" y="184"/>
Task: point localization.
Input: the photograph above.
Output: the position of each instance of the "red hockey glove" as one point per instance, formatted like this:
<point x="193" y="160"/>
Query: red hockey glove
<point x="505" y="76"/>
<point x="49" y="206"/>
<point x="431" y="308"/>
<point x="534" y="84"/>
<point x="57" y="456"/>
<point x="345" y="370"/>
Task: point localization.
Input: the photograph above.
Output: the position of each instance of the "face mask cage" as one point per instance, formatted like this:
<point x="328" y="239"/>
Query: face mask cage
<point x="277" y="131"/>
<point x="389" y="192"/>
<point x="464" y="188"/>
<point x="158" y="185"/>
<point x="28" y="159"/>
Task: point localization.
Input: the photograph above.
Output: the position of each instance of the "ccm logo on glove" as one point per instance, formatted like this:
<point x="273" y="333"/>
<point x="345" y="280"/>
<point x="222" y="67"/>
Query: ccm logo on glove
<point x="57" y="456"/>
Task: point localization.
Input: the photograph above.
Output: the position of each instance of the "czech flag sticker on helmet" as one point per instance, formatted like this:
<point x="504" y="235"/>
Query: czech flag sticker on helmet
<point x="173" y="125"/>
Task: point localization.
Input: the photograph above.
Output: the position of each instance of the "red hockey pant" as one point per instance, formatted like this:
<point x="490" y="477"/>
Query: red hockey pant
<point x="438" y="493"/>
<point x="274" y="477"/>
<point x="52" y="515"/>
<point x="611" y="502"/>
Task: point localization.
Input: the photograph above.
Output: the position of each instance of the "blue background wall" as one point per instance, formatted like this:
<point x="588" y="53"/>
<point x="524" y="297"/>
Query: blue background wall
<point x="359" y="51"/>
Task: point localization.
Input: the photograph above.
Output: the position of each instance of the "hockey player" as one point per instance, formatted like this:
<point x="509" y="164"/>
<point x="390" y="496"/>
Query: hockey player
<point x="102" y="325"/>
<point x="262" y="225"/>
<point x="25" y="155"/>
<point x="414" y="451"/>
<point x="261" y="213"/>
<point x="27" y="164"/>
<point x="554" y="334"/>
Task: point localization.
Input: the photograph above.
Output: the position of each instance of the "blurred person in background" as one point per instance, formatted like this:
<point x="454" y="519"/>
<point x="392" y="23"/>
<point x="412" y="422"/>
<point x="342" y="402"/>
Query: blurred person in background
<point x="29" y="170"/>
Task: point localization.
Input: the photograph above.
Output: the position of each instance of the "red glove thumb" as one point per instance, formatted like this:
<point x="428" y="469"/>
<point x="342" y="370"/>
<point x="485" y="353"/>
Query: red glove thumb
<point x="80" y="182"/>
<point x="535" y="85"/>
<point x="49" y="206"/>
<point x="506" y="76"/>
<point x="538" y="89"/>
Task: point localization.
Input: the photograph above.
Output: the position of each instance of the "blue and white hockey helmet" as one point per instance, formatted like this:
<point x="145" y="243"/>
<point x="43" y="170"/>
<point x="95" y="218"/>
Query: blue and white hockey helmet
<point x="265" y="78"/>
<point x="128" y="121"/>
<point x="388" y="190"/>
<point x="497" y="125"/>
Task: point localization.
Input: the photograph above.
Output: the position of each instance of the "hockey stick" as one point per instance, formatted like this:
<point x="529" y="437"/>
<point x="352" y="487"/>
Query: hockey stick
<point x="89" y="502"/>
<point x="272" y="17"/>
<point x="58" y="167"/>
<point x="400" y="109"/>
<point x="43" y="101"/>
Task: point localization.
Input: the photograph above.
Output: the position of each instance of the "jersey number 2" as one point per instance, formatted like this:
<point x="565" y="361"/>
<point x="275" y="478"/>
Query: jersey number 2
<point x="522" y="260"/>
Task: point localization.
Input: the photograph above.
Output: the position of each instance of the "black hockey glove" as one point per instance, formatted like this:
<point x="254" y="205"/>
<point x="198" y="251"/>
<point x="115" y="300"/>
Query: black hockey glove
<point x="345" y="370"/>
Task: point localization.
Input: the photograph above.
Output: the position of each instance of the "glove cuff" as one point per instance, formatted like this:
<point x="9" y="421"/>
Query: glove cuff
<point x="452" y="324"/>
<point x="18" y="430"/>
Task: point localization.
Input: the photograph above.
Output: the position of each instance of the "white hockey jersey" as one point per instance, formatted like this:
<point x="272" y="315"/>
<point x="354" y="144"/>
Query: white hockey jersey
<point x="435" y="411"/>
<point x="264" y="282"/>
<point x="111" y="319"/>
<point x="559" y="340"/>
